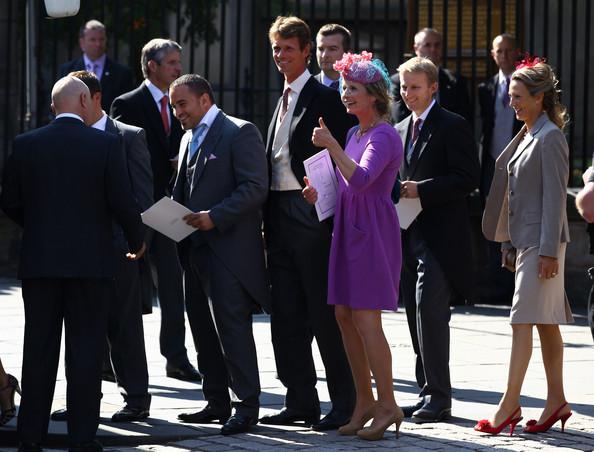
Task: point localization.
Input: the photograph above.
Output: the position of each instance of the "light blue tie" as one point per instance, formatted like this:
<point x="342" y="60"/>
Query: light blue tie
<point x="197" y="132"/>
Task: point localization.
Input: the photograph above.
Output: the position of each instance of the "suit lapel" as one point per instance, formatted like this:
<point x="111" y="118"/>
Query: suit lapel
<point x="402" y="128"/>
<point x="303" y="101"/>
<point x="424" y="138"/>
<point x="522" y="146"/>
<point x="494" y="83"/>
<point x="211" y="139"/>
<point x="111" y="127"/>
<point x="272" y="127"/>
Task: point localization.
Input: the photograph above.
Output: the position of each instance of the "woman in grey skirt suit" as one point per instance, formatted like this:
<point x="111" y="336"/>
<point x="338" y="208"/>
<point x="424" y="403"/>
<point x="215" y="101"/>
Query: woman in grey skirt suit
<point x="525" y="211"/>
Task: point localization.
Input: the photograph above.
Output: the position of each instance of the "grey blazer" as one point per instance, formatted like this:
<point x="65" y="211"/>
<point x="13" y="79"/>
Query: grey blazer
<point x="526" y="205"/>
<point x="233" y="185"/>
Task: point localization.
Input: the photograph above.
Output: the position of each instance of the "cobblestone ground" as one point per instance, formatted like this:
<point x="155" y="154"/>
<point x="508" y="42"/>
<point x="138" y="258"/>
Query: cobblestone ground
<point x="480" y="346"/>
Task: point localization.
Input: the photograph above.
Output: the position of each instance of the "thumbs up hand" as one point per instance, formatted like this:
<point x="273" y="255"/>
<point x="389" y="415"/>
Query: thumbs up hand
<point x="322" y="137"/>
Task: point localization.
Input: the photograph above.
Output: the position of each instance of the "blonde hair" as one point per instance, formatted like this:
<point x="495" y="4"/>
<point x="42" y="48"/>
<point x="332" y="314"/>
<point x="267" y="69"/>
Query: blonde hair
<point x="540" y="78"/>
<point x="421" y="64"/>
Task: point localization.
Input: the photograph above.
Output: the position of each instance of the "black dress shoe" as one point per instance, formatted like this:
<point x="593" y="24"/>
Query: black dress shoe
<point x="238" y="423"/>
<point x="30" y="447"/>
<point x="60" y="415"/>
<point x="206" y="416"/>
<point x="291" y="416"/>
<point x="429" y="413"/>
<point x="185" y="372"/>
<point x="130" y="414"/>
<point x="410" y="409"/>
<point x="333" y="420"/>
<point x="91" y="446"/>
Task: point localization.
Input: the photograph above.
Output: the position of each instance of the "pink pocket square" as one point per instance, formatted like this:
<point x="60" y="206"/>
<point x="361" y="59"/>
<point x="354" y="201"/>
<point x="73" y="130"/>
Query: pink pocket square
<point x="212" y="157"/>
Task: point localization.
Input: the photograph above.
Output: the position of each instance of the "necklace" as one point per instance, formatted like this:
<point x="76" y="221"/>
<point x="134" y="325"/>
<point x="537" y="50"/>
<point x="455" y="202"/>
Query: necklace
<point x="362" y="131"/>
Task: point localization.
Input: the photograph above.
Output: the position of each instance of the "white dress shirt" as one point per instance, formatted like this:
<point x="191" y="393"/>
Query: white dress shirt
<point x="283" y="178"/>
<point x="101" y="123"/>
<point x="97" y="66"/>
<point x="206" y="120"/>
<point x="70" y="115"/>
<point x="157" y="96"/>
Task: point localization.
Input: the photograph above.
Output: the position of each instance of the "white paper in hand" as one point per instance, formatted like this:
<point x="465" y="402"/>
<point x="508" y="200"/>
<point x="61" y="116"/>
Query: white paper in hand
<point x="321" y="175"/>
<point x="166" y="217"/>
<point x="408" y="209"/>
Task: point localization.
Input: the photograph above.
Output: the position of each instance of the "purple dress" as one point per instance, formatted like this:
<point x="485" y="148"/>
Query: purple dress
<point x="366" y="255"/>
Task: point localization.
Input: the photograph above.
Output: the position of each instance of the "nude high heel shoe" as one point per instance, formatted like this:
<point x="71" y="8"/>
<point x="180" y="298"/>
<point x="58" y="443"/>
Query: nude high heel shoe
<point x="352" y="427"/>
<point x="374" y="433"/>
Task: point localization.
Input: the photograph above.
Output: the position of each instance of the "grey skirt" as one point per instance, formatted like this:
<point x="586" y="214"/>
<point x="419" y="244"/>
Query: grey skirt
<point x="539" y="301"/>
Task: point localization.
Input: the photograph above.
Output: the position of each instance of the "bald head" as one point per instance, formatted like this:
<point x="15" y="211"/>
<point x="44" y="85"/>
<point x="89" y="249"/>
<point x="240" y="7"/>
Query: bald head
<point x="428" y="45"/>
<point x="505" y="53"/>
<point x="70" y="95"/>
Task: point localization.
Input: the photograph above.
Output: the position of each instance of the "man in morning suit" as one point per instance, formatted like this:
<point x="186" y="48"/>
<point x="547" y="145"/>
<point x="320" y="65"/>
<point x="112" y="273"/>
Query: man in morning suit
<point x="148" y="107"/>
<point x="499" y="126"/>
<point x="125" y="333"/>
<point x="115" y="78"/>
<point x="332" y="41"/>
<point x="65" y="184"/>
<point x="452" y="93"/>
<point x="440" y="168"/>
<point x="298" y="245"/>
<point x="223" y="179"/>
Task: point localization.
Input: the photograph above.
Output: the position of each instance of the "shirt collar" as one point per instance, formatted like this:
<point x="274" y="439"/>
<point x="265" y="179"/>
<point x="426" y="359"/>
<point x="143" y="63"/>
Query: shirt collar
<point x="100" y="125"/>
<point x="503" y="78"/>
<point x="298" y="84"/>
<point x="209" y="117"/>
<point x="327" y="80"/>
<point x="155" y="92"/>
<point x="100" y="61"/>
<point x="70" y="115"/>
<point x="425" y="113"/>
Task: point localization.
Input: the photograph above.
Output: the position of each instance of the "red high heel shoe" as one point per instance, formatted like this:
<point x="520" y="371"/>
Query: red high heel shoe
<point x="7" y="414"/>
<point x="533" y="427"/>
<point x="485" y="426"/>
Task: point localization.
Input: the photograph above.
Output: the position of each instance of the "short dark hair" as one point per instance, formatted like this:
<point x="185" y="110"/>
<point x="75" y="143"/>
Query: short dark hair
<point x="335" y="29"/>
<point x="195" y="83"/>
<point x="291" y="27"/>
<point x="89" y="79"/>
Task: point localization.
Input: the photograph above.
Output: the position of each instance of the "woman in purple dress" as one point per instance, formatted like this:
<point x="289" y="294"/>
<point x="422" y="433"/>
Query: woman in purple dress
<point x="365" y="256"/>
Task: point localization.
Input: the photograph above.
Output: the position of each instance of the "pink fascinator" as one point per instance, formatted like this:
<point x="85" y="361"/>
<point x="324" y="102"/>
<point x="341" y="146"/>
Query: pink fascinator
<point x="529" y="61"/>
<point x="362" y="68"/>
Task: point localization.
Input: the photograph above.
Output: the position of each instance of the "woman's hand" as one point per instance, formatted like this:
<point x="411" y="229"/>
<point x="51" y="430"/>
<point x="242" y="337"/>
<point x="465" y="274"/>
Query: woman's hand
<point x="322" y="137"/>
<point x="309" y="193"/>
<point x="547" y="267"/>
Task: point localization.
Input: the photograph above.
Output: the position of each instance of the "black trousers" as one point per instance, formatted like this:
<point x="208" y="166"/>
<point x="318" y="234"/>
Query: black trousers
<point x="172" y="338"/>
<point x="82" y="305"/>
<point x="125" y="332"/>
<point x="220" y="315"/>
<point x="427" y="292"/>
<point x="298" y="247"/>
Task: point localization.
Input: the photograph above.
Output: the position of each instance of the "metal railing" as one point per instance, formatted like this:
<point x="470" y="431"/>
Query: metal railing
<point x="227" y="42"/>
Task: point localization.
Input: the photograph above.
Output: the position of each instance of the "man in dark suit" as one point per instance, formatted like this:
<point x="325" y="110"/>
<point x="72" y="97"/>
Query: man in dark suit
<point x="115" y="78"/>
<point x="65" y="184"/>
<point x="223" y="179"/>
<point x="148" y="107"/>
<point x="499" y="126"/>
<point x="332" y="41"/>
<point x="452" y="91"/>
<point x="125" y="334"/>
<point x="440" y="168"/>
<point x="298" y="245"/>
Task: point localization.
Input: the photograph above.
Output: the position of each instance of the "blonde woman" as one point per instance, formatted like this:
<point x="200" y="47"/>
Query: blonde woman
<point x="525" y="211"/>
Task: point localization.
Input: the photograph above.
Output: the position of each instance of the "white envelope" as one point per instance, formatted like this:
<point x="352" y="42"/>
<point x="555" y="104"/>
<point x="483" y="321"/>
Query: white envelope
<point x="408" y="209"/>
<point x="165" y="216"/>
<point x="321" y="175"/>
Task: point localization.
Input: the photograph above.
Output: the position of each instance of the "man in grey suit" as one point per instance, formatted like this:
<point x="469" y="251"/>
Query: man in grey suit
<point x="223" y="179"/>
<point x="125" y="335"/>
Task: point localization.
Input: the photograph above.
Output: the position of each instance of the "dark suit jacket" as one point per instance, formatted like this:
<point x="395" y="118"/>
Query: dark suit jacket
<point x="453" y="96"/>
<point x="64" y="184"/>
<point x="487" y="93"/>
<point x="138" y="165"/>
<point x="233" y="185"/>
<point x="315" y="101"/>
<point x="138" y="108"/>
<point x="115" y="80"/>
<point x="445" y="163"/>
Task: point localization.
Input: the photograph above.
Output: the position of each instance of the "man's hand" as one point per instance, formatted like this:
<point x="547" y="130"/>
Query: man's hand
<point x="408" y="189"/>
<point x="309" y="193"/>
<point x="138" y="254"/>
<point x="200" y="220"/>
<point x="547" y="267"/>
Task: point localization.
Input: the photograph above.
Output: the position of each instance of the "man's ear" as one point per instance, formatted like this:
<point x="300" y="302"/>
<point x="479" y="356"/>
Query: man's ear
<point x="53" y="109"/>
<point x="152" y="64"/>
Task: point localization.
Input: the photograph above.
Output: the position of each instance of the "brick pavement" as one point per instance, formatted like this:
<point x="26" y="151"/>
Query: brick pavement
<point x="479" y="353"/>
